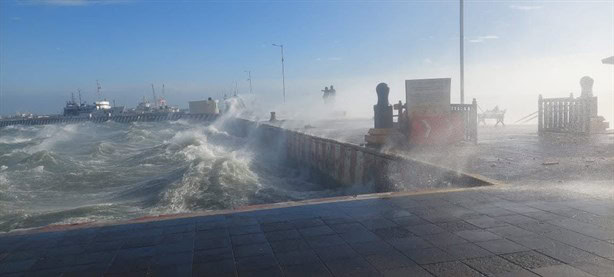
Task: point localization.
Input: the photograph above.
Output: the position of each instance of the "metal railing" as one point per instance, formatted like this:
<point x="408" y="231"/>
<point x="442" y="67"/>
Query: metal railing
<point x="469" y="113"/>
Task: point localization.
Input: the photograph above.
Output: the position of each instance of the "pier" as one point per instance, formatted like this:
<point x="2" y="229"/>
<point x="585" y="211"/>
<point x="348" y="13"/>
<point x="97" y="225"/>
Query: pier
<point x="121" y="118"/>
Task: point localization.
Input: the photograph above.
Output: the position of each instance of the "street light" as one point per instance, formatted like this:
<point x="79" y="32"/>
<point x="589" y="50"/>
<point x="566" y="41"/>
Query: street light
<point x="462" y="54"/>
<point x="283" y="74"/>
<point x="249" y="78"/>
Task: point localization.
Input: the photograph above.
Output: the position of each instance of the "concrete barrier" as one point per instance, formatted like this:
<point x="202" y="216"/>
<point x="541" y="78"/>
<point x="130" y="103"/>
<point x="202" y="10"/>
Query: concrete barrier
<point x="354" y="165"/>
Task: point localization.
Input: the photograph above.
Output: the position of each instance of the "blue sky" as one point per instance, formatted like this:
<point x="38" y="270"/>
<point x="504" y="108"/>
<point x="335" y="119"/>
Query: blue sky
<point x="199" y="48"/>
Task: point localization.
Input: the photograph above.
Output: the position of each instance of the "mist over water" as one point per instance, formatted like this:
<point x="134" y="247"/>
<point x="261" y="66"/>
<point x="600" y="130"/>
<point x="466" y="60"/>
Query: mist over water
<point x="102" y="172"/>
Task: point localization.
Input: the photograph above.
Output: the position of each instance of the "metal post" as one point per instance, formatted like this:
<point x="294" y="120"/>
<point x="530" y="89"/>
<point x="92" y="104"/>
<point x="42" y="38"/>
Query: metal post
<point x="540" y="115"/>
<point x="462" y="55"/>
<point x="249" y="74"/>
<point x="283" y="74"/>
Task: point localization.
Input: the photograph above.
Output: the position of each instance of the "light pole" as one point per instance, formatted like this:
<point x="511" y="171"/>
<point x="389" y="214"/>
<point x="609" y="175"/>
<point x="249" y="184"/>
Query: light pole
<point x="249" y="78"/>
<point x="283" y="74"/>
<point x="462" y="55"/>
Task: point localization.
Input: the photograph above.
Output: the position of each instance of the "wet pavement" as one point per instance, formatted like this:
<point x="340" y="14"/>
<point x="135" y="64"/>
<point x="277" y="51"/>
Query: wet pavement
<point x="545" y="220"/>
<point x="475" y="232"/>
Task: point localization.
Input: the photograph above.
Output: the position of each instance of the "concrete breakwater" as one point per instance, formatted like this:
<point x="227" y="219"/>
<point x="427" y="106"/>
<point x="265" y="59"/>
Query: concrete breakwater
<point x="349" y="164"/>
<point x="149" y="117"/>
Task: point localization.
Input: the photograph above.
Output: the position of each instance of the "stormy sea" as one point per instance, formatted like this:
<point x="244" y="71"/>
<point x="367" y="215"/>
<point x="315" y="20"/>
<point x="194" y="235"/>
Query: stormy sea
<point x="61" y="174"/>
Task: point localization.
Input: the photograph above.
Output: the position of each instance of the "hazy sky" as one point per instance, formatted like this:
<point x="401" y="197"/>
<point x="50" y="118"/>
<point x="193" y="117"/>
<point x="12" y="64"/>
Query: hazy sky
<point x="515" y="50"/>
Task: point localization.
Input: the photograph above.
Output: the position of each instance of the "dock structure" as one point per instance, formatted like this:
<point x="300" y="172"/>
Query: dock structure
<point x="121" y="118"/>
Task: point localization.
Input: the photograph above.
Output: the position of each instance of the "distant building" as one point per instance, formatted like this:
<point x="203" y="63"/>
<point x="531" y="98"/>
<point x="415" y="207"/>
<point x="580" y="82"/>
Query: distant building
<point x="204" y="106"/>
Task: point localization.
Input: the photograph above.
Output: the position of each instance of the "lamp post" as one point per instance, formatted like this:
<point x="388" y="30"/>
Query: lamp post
<point x="283" y="74"/>
<point x="249" y="78"/>
<point x="462" y="55"/>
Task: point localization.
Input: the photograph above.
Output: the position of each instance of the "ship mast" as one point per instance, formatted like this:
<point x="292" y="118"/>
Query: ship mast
<point x="80" y="102"/>
<point x="154" y="96"/>
<point x="98" y="90"/>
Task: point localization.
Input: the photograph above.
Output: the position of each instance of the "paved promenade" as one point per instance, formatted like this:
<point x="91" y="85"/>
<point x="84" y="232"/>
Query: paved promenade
<point x="489" y="231"/>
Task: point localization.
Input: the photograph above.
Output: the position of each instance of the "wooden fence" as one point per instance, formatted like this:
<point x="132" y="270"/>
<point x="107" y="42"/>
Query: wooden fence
<point x="469" y="113"/>
<point x="565" y="115"/>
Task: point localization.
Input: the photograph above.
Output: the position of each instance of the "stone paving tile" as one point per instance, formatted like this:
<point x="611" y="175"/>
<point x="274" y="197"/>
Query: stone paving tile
<point x="597" y="266"/>
<point x="217" y="268"/>
<point x="252" y="263"/>
<point x="566" y="253"/>
<point x="307" y="222"/>
<point x="425" y="229"/>
<point x="457" y="226"/>
<point x="428" y="255"/>
<point x="316" y="269"/>
<point x="585" y="228"/>
<point x="534" y="241"/>
<point x="348" y="227"/>
<point x="289" y="245"/>
<point x="72" y="260"/>
<point x="179" y="270"/>
<point x="466" y="251"/>
<point x="244" y="230"/>
<point x="297" y="257"/>
<point x="203" y="244"/>
<point x="510" y="231"/>
<point x="268" y="272"/>
<point x="372" y="247"/>
<point x="276" y="226"/>
<point x="530" y="259"/>
<point x="338" y="220"/>
<point x="359" y="236"/>
<point x="560" y="271"/>
<point x="372" y="224"/>
<point x="169" y="248"/>
<point x="452" y="269"/>
<point x="173" y="259"/>
<point x="252" y="250"/>
<point x="212" y="255"/>
<point x="486" y="222"/>
<point x="351" y="267"/>
<point x="392" y="233"/>
<point x="390" y="260"/>
<point x="16" y="266"/>
<point x="410" y="243"/>
<point x="516" y="219"/>
<point x="336" y="252"/>
<point x="477" y="235"/>
<point x="325" y="241"/>
<point x="444" y="239"/>
<point x="493" y="265"/>
<point x="414" y="271"/>
<point x="408" y="220"/>
<point x="212" y="233"/>
<point x="501" y="246"/>
<point x="136" y="264"/>
<point x="248" y="239"/>
<point x="282" y="235"/>
<point x="316" y="231"/>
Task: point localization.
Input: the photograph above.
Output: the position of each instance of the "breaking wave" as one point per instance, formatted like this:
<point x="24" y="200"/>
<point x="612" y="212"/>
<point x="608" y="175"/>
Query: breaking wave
<point x="111" y="171"/>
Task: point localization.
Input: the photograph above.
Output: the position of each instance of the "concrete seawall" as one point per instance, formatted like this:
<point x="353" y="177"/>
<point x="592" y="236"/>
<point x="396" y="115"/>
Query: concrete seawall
<point x="350" y="164"/>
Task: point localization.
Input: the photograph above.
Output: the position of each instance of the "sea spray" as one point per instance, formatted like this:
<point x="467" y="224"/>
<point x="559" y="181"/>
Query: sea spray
<point x="70" y="173"/>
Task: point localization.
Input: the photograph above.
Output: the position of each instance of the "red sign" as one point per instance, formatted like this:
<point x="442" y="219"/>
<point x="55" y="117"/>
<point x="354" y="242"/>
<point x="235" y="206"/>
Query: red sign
<point x="437" y="129"/>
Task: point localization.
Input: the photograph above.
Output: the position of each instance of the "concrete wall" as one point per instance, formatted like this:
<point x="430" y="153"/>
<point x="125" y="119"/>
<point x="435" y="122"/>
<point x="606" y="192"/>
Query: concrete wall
<point x="350" y="164"/>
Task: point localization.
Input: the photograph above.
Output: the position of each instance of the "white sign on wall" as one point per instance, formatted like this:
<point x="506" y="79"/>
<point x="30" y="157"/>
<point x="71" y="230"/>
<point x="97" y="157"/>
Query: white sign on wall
<point x="428" y="96"/>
